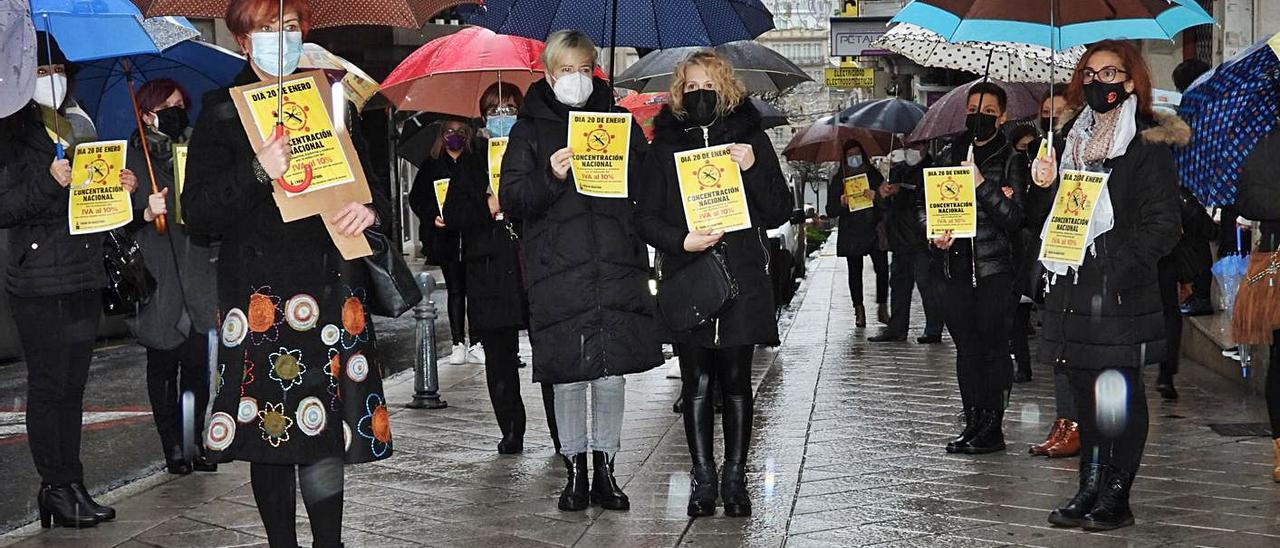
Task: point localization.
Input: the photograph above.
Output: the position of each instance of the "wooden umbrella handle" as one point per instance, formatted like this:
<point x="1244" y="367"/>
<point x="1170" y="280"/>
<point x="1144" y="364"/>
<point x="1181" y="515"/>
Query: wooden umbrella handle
<point x="161" y="222"/>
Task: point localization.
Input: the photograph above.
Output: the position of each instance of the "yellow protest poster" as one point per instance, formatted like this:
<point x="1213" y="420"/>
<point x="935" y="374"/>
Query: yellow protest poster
<point x="951" y="201"/>
<point x="179" y="177"/>
<point x="600" y="142"/>
<point x="97" y="201"/>
<point x="497" y="148"/>
<point x="711" y="189"/>
<point x="1067" y="230"/>
<point x="855" y="191"/>
<point x="442" y="190"/>
<point x="313" y="141"/>
<point x="1274" y="42"/>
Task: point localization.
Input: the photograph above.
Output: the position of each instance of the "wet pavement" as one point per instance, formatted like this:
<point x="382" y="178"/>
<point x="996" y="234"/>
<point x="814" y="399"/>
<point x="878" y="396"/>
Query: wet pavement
<point x="847" y="451"/>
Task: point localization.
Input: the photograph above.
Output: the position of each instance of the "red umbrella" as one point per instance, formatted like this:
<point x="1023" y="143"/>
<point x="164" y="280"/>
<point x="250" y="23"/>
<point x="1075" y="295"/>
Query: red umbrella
<point x="823" y="141"/>
<point x="448" y="74"/>
<point x="644" y="108"/>
<point x="411" y="14"/>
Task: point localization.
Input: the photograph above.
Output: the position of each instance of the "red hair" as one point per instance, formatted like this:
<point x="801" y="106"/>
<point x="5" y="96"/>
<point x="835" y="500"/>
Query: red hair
<point x="155" y="92"/>
<point x="246" y="16"/>
<point x="1135" y="67"/>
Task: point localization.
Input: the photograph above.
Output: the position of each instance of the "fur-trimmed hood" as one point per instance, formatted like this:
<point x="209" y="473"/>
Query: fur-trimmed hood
<point x="734" y="127"/>
<point x="1161" y="129"/>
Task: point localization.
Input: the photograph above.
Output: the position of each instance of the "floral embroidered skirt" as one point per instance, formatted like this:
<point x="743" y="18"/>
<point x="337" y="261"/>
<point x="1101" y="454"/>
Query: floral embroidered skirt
<point x="298" y="378"/>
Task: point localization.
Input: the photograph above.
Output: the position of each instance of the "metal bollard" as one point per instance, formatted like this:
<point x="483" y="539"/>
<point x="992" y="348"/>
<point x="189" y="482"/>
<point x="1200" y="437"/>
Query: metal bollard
<point x="426" y="380"/>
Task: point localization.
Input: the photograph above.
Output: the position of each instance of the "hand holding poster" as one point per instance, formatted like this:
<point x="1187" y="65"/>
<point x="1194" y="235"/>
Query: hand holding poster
<point x="441" y="186"/>
<point x="855" y="192"/>
<point x="600" y="143"/>
<point x="97" y="201"/>
<point x="951" y="204"/>
<point x="1067" y="229"/>
<point x="497" y="148"/>
<point x="711" y="190"/>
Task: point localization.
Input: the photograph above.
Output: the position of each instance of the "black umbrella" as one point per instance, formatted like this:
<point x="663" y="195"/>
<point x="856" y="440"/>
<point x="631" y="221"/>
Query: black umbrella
<point x="760" y="68"/>
<point x="891" y="115"/>
<point x="770" y="116"/>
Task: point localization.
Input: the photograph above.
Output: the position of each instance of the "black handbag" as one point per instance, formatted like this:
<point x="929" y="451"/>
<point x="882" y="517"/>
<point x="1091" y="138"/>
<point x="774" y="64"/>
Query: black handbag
<point x="129" y="283"/>
<point x="392" y="289"/>
<point x="693" y="295"/>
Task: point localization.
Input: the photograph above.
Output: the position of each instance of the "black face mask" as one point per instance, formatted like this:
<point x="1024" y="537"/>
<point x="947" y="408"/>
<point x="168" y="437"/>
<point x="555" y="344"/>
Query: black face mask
<point x="981" y="126"/>
<point x="1046" y="125"/>
<point x="1103" y="97"/>
<point x="172" y="121"/>
<point x="701" y="106"/>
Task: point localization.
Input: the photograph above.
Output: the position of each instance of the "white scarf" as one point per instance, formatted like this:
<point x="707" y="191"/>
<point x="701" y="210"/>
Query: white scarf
<point x="1103" y="215"/>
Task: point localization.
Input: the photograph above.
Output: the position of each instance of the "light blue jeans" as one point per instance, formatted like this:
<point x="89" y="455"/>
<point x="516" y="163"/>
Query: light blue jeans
<point x="608" y="399"/>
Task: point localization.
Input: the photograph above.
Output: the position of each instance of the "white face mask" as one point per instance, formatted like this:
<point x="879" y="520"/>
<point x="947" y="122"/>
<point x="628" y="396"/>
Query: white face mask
<point x="266" y="51"/>
<point x="913" y="157"/>
<point x="573" y="89"/>
<point x="51" y="90"/>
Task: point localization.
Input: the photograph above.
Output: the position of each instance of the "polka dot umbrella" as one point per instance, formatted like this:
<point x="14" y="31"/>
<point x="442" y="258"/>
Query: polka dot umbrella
<point x="1007" y="61"/>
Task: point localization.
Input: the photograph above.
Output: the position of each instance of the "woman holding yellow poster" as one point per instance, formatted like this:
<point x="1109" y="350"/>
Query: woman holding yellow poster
<point x="848" y="199"/>
<point x="709" y="111"/>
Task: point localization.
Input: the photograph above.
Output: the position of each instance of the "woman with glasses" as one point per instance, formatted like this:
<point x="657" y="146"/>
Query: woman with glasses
<point x="1103" y="319"/>
<point x="590" y="310"/>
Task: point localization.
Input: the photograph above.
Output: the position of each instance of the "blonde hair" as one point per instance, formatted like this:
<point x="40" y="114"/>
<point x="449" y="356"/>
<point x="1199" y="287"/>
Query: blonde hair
<point x="561" y="43"/>
<point x="729" y="89"/>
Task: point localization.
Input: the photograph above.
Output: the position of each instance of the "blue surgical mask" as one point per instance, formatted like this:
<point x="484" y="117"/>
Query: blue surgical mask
<point x="854" y="162"/>
<point x="266" y="51"/>
<point x="500" y="125"/>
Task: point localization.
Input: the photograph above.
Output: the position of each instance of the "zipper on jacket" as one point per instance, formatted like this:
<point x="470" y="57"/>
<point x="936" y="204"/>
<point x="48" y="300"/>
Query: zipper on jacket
<point x="973" y="260"/>
<point x="717" y="338"/>
<point x="764" y="249"/>
<point x="706" y="136"/>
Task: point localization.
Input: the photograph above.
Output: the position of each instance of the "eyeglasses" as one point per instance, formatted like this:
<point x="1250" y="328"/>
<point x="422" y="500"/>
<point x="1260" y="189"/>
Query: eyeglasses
<point x="1107" y="75"/>
<point x="455" y="131"/>
<point x="501" y="111"/>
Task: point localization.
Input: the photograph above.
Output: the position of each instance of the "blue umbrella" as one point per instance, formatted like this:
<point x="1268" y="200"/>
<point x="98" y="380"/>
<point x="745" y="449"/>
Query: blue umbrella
<point x="97" y="29"/>
<point x="1229" y="113"/>
<point x="102" y="89"/>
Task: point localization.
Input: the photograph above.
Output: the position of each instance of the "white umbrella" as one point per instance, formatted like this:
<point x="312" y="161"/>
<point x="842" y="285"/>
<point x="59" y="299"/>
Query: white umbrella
<point x="1006" y="61"/>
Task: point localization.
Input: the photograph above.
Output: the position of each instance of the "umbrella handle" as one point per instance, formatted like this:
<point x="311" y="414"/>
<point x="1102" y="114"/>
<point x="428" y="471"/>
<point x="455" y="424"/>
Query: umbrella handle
<point x="306" y="171"/>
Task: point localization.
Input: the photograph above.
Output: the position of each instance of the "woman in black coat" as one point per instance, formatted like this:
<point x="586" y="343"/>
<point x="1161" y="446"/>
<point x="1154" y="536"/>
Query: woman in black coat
<point x="587" y="272"/>
<point x="1103" y="319"/>
<point x="54" y="281"/>
<point x="709" y="108"/>
<point x="858" y="235"/>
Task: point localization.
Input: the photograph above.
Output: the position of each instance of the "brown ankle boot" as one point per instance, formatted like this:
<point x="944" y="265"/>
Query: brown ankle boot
<point x="1068" y="444"/>
<point x="1275" y="472"/>
<point x="1059" y="426"/>
<point x="861" y="315"/>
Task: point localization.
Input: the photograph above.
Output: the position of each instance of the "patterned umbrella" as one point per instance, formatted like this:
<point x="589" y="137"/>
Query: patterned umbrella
<point x="412" y="14"/>
<point x="1008" y="61"/>
<point x="823" y="141"/>
<point x="168" y="31"/>
<point x="356" y="83"/>
<point x="947" y="115"/>
<point x="761" y="69"/>
<point x="1229" y="112"/>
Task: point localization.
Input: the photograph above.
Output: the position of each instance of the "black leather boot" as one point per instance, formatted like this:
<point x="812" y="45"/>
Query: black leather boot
<point x="103" y="513"/>
<point x="1112" y="509"/>
<point x="576" y="496"/>
<point x="176" y="461"/>
<point x="733" y="490"/>
<point x="1091" y="478"/>
<point x="704" y="489"/>
<point x="549" y="406"/>
<point x="970" y="426"/>
<point x="202" y="462"/>
<point x="512" y="435"/>
<point x="59" y="505"/>
<point x="604" y="488"/>
<point x="988" y="437"/>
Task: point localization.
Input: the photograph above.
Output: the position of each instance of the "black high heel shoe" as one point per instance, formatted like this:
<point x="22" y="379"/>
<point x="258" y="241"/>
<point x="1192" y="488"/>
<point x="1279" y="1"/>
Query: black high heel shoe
<point x="103" y="513"/>
<point x="60" y="506"/>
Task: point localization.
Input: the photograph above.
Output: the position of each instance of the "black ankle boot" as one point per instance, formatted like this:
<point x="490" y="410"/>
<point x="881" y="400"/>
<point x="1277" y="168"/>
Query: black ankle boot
<point x="604" y="488"/>
<point x="60" y="506"/>
<point x="988" y="436"/>
<point x="1091" y="478"/>
<point x="1112" y="509"/>
<point x="1022" y="374"/>
<point x="176" y="461"/>
<point x="575" y="497"/>
<point x="970" y="426"/>
<point x="103" y="513"/>
<point x="703" y="490"/>
<point x="733" y="490"/>
<point x="202" y="462"/>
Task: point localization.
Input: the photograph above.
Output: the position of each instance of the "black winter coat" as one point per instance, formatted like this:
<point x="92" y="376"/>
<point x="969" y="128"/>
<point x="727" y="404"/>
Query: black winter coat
<point x="1108" y="313"/>
<point x="750" y="319"/>
<point x="857" y="235"/>
<point x="495" y="290"/>
<point x="44" y="258"/>
<point x="999" y="217"/>
<point x="439" y="245"/>
<point x="901" y="211"/>
<point x="587" y="272"/>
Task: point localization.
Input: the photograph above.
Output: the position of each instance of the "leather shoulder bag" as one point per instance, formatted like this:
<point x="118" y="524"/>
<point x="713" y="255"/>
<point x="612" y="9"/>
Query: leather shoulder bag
<point x="693" y="295"/>
<point x="392" y="288"/>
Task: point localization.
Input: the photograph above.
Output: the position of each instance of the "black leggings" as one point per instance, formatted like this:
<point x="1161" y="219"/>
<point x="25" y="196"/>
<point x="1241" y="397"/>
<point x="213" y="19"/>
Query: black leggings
<point x="275" y="493"/>
<point x="732" y="367"/>
<point x="1117" y="435"/>
<point x="1273" y="385"/>
<point x="170" y="374"/>
<point x="455" y="282"/>
<point x="1168" y="280"/>
<point x="879" y="262"/>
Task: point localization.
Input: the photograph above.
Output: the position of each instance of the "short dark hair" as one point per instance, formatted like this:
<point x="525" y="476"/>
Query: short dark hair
<point x="1187" y="72"/>
<point x="505" y="90"/>
<point x="1056" y="90"/>
<point x="155" y="92"/>
<point x="1022" y="131"/>
<point x="988" y="88"/>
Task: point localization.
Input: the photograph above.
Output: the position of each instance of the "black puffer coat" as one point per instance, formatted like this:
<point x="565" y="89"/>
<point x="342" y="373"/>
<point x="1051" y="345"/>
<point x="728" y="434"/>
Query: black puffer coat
<point x="857" y="234"/>
<point x="439" y="245"/>
<point x="750" y="318"/>
<point x="587" y="272"/>
<point x="45" y="259"/>
<point x="999" y="217"/>
<point x="1108" y="313"/>
<point x="495" y="291"/>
